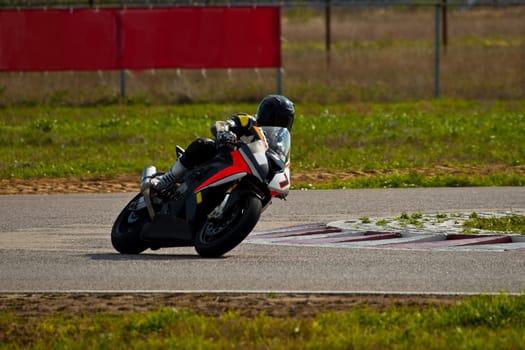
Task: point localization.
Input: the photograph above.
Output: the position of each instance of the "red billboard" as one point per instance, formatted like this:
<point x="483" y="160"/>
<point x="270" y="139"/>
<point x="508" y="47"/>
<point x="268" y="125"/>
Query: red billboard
<point x="34" y="40"/>
<point x="201" y="37"/>
<point x="190" y="37"/>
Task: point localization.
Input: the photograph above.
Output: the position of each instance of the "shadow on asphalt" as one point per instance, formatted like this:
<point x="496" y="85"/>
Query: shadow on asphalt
<point x="142" y="257"/>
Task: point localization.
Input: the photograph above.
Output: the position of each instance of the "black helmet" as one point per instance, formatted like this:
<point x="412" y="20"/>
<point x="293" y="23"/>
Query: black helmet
<point x="276" y="110"/>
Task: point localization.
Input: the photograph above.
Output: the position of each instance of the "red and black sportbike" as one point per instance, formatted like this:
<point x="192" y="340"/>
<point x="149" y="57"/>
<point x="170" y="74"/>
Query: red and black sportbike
<point x="216" y="205"/>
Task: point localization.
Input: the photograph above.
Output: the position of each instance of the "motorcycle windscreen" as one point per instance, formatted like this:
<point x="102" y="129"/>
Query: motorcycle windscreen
<point x="279" y="141"/>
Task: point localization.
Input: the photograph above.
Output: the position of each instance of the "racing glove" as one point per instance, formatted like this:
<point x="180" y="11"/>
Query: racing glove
<point x="242" y="123"/>
<point x="226" y="137"/>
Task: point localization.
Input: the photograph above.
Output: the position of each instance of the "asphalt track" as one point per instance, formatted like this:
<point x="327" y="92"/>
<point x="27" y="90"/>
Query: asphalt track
<point x="61" y="243"/>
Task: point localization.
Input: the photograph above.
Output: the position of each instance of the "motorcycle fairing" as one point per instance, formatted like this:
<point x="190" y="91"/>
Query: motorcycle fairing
<point x="237" y="166"/>
<point x="280" y="183"/>
<point x="223" y="171"/>
<point x="242" y="163"/>
<point x="255" y="156"/>
<point x="207" y="186"/>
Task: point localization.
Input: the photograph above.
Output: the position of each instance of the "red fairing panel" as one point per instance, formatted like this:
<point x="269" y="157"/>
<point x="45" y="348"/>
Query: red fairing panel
<point x="36" y="40"/>
<point x="238" y="166"/>
<point x="201" y="37"/>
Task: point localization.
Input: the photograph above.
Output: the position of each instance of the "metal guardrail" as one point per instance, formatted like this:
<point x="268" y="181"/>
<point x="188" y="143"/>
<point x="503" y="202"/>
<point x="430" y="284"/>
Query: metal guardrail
<point x="4" y="4"/>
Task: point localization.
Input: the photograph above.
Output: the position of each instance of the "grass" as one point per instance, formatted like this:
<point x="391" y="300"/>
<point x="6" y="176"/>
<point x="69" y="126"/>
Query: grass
<point x="509" y="223"/>
<point x="410" y="219"/>
<point x="488" y="322"/>
<point x="377" y="55"/>
<point x="406" y="144"/>
<point x="491" y="322"/>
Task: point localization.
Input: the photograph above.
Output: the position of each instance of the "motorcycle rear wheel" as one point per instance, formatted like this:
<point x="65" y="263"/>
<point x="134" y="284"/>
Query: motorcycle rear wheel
<point x="218" y="237"/>
<point x="125" y="234"/>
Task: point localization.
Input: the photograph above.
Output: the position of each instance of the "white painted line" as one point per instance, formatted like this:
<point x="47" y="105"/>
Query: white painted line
<point x="265" y="291"/>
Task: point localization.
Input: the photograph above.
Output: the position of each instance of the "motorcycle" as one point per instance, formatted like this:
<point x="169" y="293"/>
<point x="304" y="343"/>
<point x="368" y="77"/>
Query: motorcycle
<point x="215" y="206"/>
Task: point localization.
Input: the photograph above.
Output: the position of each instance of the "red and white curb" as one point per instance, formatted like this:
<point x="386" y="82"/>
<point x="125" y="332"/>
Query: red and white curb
<point x="411" y="232"/>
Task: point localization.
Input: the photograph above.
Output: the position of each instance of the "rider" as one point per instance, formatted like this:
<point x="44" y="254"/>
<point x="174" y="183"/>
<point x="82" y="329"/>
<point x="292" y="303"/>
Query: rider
<point x="273" y="110"/>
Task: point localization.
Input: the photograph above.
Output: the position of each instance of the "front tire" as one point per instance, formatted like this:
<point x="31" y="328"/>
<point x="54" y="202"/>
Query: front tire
<point x="125" y="234"/>
<point x="218" y="237"/>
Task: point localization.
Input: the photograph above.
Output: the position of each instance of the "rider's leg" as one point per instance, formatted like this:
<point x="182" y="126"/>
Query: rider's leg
<point x="176" y="173"/>
<point x="197" y="153"/>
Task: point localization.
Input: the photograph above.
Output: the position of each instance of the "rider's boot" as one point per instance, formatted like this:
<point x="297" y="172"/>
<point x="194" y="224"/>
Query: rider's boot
<point x="175" y="174"/>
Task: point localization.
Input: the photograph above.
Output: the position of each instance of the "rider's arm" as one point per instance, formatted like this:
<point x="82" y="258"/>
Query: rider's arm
<point x="236" y="126"/>
<point x="242" y="124"/>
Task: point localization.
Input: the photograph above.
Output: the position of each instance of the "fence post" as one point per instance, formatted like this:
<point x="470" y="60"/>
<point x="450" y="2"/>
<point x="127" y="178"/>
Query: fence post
<point x="328" y="34"/>
<point x="436" y="50"/>
<point x="122" y="83"/>
<point x="279" y="81"/>
<point x="119" y="43"/>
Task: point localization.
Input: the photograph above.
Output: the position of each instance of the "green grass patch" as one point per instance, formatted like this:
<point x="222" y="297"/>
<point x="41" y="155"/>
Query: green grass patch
<point x="510" y="223"/>
<point x="391" y="141"/>
<point x="488" y="322"/>
<point x="410" y="219"/>
<point x="424" y="179"/>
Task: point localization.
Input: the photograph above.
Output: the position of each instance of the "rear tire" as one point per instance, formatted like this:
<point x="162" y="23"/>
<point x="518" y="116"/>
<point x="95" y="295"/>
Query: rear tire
<point x="125" y="234"/>
<point x="218" y="237"/>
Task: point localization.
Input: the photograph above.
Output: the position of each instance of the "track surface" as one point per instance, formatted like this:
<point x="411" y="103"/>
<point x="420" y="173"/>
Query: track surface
<point x="61" y="243"/>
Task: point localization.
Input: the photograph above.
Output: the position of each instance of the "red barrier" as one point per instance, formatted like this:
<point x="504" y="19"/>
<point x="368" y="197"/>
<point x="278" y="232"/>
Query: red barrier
<point x="216" y="37"/>
<point x="57" y="40"/>
<point x="192" y="37"/>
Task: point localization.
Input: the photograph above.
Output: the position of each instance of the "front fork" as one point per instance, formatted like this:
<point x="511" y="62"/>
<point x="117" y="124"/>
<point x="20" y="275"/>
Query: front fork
<point x="218" y="212"/>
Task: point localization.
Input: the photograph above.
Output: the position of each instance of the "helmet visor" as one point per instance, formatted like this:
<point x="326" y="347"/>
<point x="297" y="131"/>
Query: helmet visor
<point x="284" y="120"/>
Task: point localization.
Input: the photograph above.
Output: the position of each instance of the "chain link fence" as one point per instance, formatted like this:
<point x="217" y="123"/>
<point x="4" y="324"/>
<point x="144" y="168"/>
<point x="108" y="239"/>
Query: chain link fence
<point x="364" y="51"/>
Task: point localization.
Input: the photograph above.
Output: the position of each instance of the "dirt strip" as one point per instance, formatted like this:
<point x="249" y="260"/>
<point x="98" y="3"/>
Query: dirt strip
<point x="130" y="182"/>
<point x="246" y="304"/>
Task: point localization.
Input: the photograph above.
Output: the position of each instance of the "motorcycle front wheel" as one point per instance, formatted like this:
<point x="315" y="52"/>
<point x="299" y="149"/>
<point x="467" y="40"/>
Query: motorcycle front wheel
<point x="125" y="234"/>
<point x="218" y="237"/>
